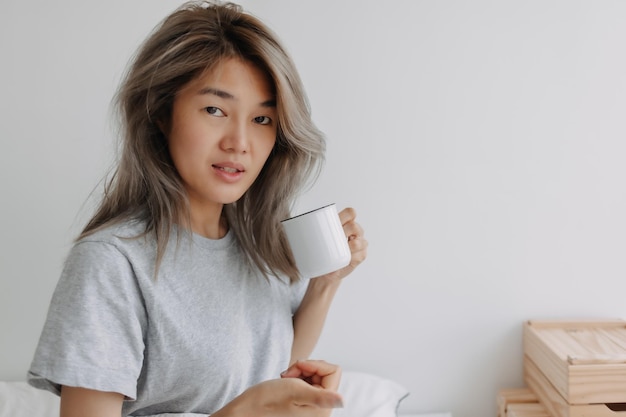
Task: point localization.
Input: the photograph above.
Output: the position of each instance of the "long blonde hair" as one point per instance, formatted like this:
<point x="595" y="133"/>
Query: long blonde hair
<point x="145" y="184"/>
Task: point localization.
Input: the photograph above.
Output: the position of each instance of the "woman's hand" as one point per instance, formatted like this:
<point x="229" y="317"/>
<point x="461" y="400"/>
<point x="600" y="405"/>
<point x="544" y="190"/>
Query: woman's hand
<point x="356" y="242"/>
<point x="317" y="373"/>
<point x="306" y="389"/>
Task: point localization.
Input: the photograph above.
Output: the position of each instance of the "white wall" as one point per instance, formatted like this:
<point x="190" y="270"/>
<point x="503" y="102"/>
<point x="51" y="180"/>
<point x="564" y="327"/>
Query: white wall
<point x="482" y="143"/>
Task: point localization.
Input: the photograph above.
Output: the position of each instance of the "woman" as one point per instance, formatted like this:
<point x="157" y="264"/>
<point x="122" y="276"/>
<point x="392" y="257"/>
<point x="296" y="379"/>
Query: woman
<point x="181" y="295"/>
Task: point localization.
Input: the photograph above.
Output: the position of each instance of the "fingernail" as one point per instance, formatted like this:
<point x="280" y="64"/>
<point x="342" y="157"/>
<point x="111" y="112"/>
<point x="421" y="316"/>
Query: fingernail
<point x="338" y="403"/>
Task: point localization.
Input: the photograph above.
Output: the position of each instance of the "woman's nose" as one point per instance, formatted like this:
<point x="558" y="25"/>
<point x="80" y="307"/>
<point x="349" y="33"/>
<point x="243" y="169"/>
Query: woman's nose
<point x="236" y="138"/>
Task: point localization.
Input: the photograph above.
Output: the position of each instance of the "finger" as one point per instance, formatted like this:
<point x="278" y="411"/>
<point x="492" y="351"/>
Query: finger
<point x="298" y="371"/>
<point x="323" y="373"/>
<point x="323" y="399"/>
<point x="303" y="394"/>
<point x="315" y="366"/>
<point x="346" y="215"/>
<point x="353" y="230"/>
<point x="293" y="371"/>
<point x="356" y="242"/>
<point x="358" y="248"/>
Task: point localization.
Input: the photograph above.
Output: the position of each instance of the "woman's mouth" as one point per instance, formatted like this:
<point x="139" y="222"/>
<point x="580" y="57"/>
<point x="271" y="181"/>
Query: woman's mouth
<point x="229" y="172"/>
<point x="227" y="169"/>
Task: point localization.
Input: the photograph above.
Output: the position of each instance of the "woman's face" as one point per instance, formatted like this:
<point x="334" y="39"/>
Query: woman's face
<point x="222" y="130"/>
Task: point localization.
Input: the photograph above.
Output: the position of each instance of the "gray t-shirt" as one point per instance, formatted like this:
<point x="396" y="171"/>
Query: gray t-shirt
<point x="189" y="341"/>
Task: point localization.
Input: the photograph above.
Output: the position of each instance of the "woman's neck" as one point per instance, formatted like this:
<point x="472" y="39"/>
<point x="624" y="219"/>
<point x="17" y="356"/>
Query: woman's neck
<point x="208" y="221"/>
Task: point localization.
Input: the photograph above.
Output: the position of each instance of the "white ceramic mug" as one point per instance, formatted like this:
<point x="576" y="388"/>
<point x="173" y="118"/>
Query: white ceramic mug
<point x="318" y="242"/>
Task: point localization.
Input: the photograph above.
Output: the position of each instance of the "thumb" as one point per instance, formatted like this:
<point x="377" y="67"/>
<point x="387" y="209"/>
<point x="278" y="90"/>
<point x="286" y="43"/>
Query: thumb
<point x="327" y="399"/>
<point x="307" y="394"/>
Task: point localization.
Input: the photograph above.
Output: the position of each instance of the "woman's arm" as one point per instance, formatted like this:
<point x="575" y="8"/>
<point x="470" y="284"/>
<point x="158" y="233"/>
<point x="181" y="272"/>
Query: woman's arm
<point x="308" y="321"/>
<point x="306" y="389"/>
<point x="81" y="402"/>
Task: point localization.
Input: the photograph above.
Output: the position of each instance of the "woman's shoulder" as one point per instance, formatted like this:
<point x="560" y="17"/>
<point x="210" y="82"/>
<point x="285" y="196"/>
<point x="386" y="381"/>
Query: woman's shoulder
<point x="125" y="236"/>
<point x="122" y="231"/>
<point x="116" y="244"/>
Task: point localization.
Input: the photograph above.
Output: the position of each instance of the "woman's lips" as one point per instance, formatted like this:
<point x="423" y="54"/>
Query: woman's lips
<point x="229" y="171"/>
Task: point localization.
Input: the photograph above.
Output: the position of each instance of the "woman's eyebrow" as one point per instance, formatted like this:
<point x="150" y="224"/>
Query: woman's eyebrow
<point x="226" y="95"/>
<point x="269" y="103"/>
<point x="216" y="92"/>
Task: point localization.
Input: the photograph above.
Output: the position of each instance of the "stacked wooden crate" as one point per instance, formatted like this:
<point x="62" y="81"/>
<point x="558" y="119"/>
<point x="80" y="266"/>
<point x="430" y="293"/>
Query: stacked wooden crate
<point x="573" y="369"/>
<point x="519" y="402"/>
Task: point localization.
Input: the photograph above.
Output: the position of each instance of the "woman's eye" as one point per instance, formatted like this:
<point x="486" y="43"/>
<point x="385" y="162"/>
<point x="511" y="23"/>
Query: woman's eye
<point x="262" y="120"/>
<point x="214" y="111"/>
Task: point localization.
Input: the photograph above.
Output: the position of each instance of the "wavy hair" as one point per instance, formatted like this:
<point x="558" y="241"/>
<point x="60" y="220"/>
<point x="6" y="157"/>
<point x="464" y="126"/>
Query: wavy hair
<point x="145" y="184"/>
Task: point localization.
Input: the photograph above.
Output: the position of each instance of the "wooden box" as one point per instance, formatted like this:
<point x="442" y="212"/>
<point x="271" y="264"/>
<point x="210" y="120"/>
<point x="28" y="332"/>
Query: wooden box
<point x="584" y="361"/>
<point x="556" y="405"/>
<point x="509" y="396"/>
<point x="526" y="410"/>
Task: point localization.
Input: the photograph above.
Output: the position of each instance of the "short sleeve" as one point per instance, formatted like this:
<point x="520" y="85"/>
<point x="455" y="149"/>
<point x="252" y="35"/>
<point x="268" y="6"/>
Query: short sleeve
<point x="93" y="336"/>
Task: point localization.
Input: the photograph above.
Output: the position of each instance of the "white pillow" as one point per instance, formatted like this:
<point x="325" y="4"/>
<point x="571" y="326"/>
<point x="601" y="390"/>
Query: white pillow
<point x="367" y="395"/>
<point x="18" y="399"/>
